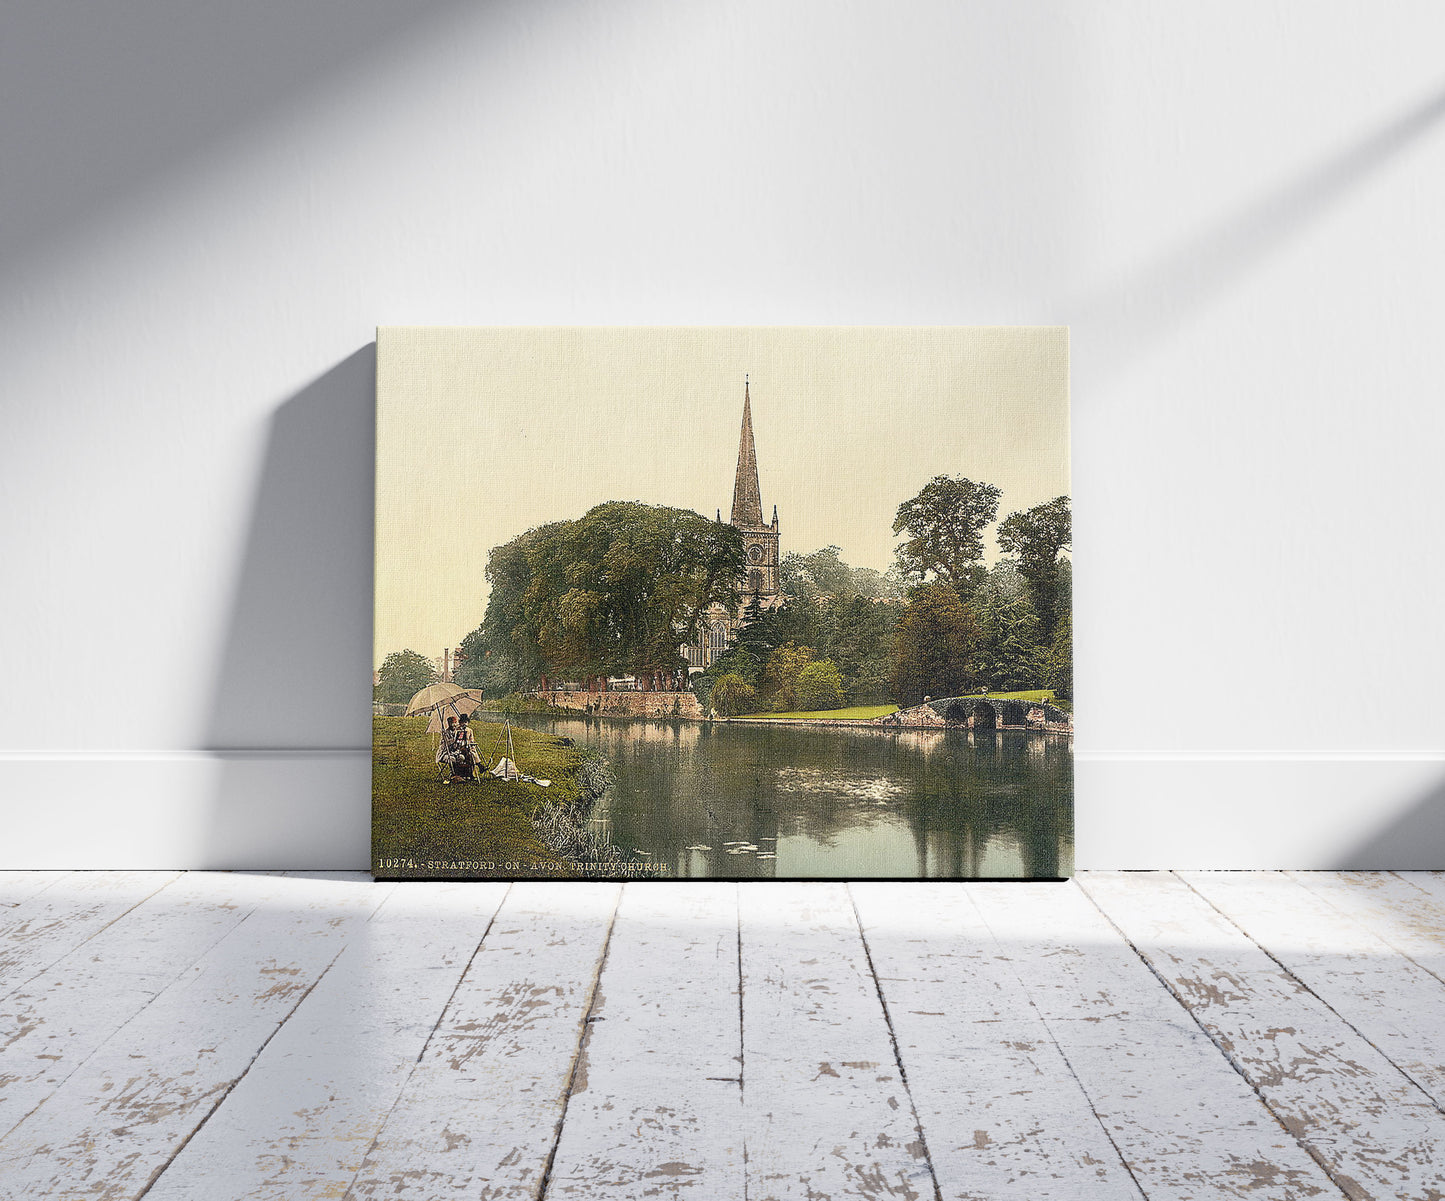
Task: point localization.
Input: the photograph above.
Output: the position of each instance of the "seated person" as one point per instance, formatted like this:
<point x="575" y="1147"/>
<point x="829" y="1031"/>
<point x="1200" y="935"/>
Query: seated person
<point x="451" y="750"/>
<point x="467" y="744"/>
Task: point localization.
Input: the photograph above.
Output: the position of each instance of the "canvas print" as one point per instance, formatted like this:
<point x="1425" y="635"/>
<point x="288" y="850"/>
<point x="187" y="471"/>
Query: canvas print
<point x="734" y="603"/>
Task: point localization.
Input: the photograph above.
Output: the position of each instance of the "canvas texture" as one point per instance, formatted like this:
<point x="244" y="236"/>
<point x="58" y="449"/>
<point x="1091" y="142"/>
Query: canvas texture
<point x="723" y="603"/>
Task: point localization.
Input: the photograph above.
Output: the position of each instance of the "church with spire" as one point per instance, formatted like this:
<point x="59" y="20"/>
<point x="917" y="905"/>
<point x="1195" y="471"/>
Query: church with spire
<point x="760" y="543"/>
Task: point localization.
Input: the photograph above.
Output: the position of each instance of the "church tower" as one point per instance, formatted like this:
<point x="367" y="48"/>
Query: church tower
<point x="760" y="544"/>
<point x="760" y="541"/>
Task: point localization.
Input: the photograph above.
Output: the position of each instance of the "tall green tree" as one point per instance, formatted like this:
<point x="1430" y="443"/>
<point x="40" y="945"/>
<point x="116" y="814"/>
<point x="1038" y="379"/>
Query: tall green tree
<point x="1038" y="536"/>
<point x="945" y="524"/>
<point x="402" y="674"/>
<point x="859" y="639"/>
<point x="497" y="671"/>
<point x="502" y="653"/>
<point x="934" y="645"/>
<point x="615" y="591"/>
<point x="1010" y="649"/>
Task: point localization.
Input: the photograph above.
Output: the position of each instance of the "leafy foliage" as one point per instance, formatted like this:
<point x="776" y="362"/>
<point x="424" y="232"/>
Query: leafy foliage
<point x="845" y="626"/>
<point x="497" y="672"/>
<point x="819" y="686"/>
<point x="779" y="681"/>
<point x="872" y="584"/>
<point x="934" y="646"/>
<point x="501" y="656"/>
<point x="1010" y="652"/>
<point x="732" y="694"/>
<point x="1014" y="610"/>
<point x="945" y="524"/>
<point x="809" y="575"/>
<point x="858" y="636"/>
<point x="619" y="589"/>
<point x="1038" y="536"/>
<point x="1059" y="660"/>
<point x="403" y="674"/>
<point x="822" y="575"/>
<point x="613" y="592"/>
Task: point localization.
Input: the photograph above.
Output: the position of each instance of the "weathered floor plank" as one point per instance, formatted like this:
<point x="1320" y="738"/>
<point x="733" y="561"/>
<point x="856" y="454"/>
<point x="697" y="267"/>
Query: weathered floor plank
<point x="826" y="1110"/>
<point x="1186" y="1124"/>
<point x="16" y="887"/>
<point x="115" y="1123"/>
<point x="655" y="1109"/>
<point x="1392" y="1002"/>
<point x="1004" y="1040"/>
<point x="1405" y="909"/>
<point x="1430" y="883"/>
<point x="50" y="1025"/>
<point x="480" y="1114"/>
<point x="1002" y="1115"/>
<point x="48" y="925"/>
<point x="300" y="1122"/>
<point x="1374" y="1130"/>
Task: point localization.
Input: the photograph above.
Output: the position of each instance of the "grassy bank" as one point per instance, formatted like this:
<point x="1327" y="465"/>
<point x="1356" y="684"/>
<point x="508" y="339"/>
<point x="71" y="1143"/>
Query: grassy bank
<point x="857" y="713"/>
<point x="422" y="827"/>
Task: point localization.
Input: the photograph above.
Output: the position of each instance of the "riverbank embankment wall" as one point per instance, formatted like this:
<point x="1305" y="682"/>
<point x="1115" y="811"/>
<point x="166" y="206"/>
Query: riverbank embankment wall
<point x="626" y="704"/>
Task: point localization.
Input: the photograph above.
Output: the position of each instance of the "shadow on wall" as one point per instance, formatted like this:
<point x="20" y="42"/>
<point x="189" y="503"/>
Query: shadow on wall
<point x="1146" y="306"/>
<point x="1413" y="842"/>
<point x="290" y="715"/>
<point x="117" y="96"/>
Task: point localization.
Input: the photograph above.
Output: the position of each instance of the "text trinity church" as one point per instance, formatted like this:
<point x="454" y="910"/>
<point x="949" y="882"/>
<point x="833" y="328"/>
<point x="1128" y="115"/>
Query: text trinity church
<point x="760" y="542"/>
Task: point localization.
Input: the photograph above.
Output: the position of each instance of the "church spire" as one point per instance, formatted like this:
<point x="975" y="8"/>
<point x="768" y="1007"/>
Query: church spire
<point x="747" y="502"/>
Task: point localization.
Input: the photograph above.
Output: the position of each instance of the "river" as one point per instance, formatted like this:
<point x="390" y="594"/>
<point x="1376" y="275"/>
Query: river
<point x="841" y="803"/>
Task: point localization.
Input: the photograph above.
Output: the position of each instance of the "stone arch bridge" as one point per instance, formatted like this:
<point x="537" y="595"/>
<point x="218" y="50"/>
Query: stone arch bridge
<point x="983" y="713"/>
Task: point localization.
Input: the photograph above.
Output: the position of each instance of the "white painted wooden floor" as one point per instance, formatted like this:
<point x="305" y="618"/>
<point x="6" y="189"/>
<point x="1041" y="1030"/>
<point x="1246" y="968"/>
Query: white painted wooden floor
<point x="1190" y="1035"/>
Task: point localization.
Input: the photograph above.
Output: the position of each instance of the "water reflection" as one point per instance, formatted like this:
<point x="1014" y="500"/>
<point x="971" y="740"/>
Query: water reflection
<point x="762" y="802"/>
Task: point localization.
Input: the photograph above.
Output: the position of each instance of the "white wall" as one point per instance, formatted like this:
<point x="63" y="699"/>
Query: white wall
<point x="205" y="208"/>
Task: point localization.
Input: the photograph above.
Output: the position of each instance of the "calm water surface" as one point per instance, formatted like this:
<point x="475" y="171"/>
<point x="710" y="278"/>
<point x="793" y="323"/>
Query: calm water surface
<point x="831" y="802"/>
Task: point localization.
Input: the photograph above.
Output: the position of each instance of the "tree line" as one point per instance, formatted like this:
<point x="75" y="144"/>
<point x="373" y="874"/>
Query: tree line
<point x="969" y="628"/>
<point x="616" y="592"/>
<point x="612" y="593"/>
<point x="939" y="623"/>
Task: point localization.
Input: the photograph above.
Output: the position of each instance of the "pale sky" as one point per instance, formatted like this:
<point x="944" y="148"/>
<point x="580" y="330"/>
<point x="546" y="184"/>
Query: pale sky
<point x="484" y="433"/>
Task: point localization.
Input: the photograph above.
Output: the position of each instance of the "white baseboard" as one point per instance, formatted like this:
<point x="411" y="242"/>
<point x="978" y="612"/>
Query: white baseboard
<point x="186" y="809"/>
<point x="1366" y="811"/>
<point x="311" y="809"/>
